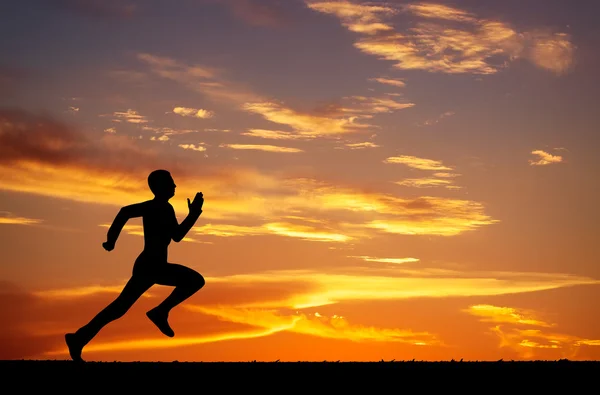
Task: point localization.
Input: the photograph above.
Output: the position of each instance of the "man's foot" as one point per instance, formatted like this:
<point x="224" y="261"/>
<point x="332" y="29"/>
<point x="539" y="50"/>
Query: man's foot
<point x="75" y="347"/>
<point x="161" y="321"/>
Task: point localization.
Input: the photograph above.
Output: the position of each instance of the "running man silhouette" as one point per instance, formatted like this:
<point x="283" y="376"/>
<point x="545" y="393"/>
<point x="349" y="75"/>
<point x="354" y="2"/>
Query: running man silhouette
<point x="151" y="266"/>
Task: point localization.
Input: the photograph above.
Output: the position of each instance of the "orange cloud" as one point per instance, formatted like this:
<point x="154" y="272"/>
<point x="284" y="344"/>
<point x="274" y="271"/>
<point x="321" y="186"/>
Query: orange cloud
<point x="528" y="342"/>
<point x="417" y="163"/>
<point x="386" y="260"/>
<point x="275" y="134"/>
<point x="544" y="158"/>
<point x="9" y="218"/>
<point x="423" y="182"/>
<point x="130" y="116"/>
<point x="448" y="40"/>
<point x="270" y="302"/>
<point x="261" y="147"/>
<point x="193" y="147"/>
<point x="390" y="81"/>
<point x="193" y="112"/>
<point x="304" y="124"/>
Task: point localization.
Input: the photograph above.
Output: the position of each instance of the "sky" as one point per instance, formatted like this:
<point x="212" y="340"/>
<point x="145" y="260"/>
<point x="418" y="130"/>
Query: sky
<point x="382" y="180"/>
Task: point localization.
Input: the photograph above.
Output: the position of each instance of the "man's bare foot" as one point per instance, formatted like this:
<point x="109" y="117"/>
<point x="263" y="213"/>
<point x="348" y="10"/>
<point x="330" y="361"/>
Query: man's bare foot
<point x="75" y="347"/>
<point x="160" y="319"/>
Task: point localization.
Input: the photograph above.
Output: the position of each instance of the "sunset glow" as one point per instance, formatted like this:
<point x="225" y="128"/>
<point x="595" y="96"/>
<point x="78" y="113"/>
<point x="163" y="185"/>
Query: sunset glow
<point x="382" y="179"/>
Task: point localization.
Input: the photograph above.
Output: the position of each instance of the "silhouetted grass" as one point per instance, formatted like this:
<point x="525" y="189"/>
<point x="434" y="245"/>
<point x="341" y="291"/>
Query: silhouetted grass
<point x="281" y="377"/>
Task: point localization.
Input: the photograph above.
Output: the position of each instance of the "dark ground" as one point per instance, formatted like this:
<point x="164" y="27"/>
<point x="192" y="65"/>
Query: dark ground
<point x="287" y="377"/>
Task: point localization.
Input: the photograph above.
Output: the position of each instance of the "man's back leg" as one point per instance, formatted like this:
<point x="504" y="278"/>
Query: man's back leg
<point x="135" y="287"/>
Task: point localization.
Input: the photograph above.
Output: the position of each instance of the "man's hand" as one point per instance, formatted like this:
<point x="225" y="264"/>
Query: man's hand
<point x="108" y="246"/>
<point x="196" y="205"/>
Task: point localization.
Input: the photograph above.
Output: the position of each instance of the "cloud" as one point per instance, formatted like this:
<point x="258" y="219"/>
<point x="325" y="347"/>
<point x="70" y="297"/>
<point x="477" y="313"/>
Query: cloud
<point x="193" y="147"/>
<point x="329" y="121"/>
<point x="11" y="219"/>
<point x="306" y="124"/>
<point x="193" y="112"/>
<point x="417" y="163"/>
<point x="130" y="116"/>
<point x="528" y="342"/>
<point x="423" y="182"/>
<point x="436" y="120"/>
<point x="97" y="8"/>
<point x="259" y="304"/>
<point x="285" y="229"/>
<point x="42" y="156"/>
<point x="275" y="134"/>
<point x="448" y="40"/>
<point x="261" y="147"/>
<point x="362" y="145"/>
<point x="385" y="260"/>
<point x="544" y="158"/>
<point x="390" y="81"/>
<point x="335" y="327"/>
<point x="509" y="315"/>
<point x="110" y="130"/>
<point x="199" y="78"/>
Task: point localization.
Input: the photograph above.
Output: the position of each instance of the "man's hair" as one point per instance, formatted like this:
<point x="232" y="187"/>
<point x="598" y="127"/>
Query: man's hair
<point x="157" y="178"/>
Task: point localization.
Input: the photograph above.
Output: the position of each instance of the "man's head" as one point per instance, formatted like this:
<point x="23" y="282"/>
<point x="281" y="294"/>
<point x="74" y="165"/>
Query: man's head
<point x="161" y="184"/>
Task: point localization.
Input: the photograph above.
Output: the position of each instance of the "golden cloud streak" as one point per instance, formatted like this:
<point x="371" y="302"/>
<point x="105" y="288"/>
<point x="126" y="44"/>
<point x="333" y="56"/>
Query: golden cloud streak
<point x="423" y="182"/>
<point x="334" y="327"/>
<point x="521" y="340"/>
<point x="390" y="81"/>
<point x="386" y="260"/>
<point x="437" y="46"/>
<point x="193" y="112"/>
<point x="275" y="134"/>
<point x="398" y="283"/>
<point x="131" y="116"/>
<point x="417" y="163"/>
<point x="193" y="147"/>
<point x="544" y="158"/>
<point x="489" y="313"/>
<point x="261" y="147"/>
<point x="305" y="124"/>
<point x="162" y="343"/>
<point x="8" y="218"/>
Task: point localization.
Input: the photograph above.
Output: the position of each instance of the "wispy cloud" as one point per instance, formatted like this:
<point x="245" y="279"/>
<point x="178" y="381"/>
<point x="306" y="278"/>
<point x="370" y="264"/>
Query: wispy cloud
<point x="45" y="157"/>
<point x="193" y="147"/>
<point x="417" y="163"/>
<point x="306" y="124"/>
<point x="389" y="81"/>
<point x="355" y="146"/>
<point x="130" y="116"/>
<point x="193" y="112"/>
<point x="437" y="119"/>
<point x="261" y="147"/>
<point x="423" y="182"/>
<point x="544" y="158"/>
<point x="9" y="218"/>
<point x="528" y="342"/>
<point x="276" y="135"/>
<point x="447" y="39"/>
<point x="286" y="300"/>
<point x="385" y="260"/>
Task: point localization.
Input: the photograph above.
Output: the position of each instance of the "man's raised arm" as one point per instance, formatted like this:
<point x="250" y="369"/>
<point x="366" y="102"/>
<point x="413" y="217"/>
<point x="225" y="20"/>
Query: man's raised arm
<point x="184" y="227"/>
<point x="127" y="212"/>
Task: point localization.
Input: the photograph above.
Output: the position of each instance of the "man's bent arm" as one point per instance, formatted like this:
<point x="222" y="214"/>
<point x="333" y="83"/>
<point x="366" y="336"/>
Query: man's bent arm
<point x="127" y="212"/>
<point x="184" y="227"/>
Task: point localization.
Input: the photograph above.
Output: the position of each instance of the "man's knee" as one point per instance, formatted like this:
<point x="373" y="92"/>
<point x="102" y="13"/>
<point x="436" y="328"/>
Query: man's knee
<point x="197" y="281"/>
